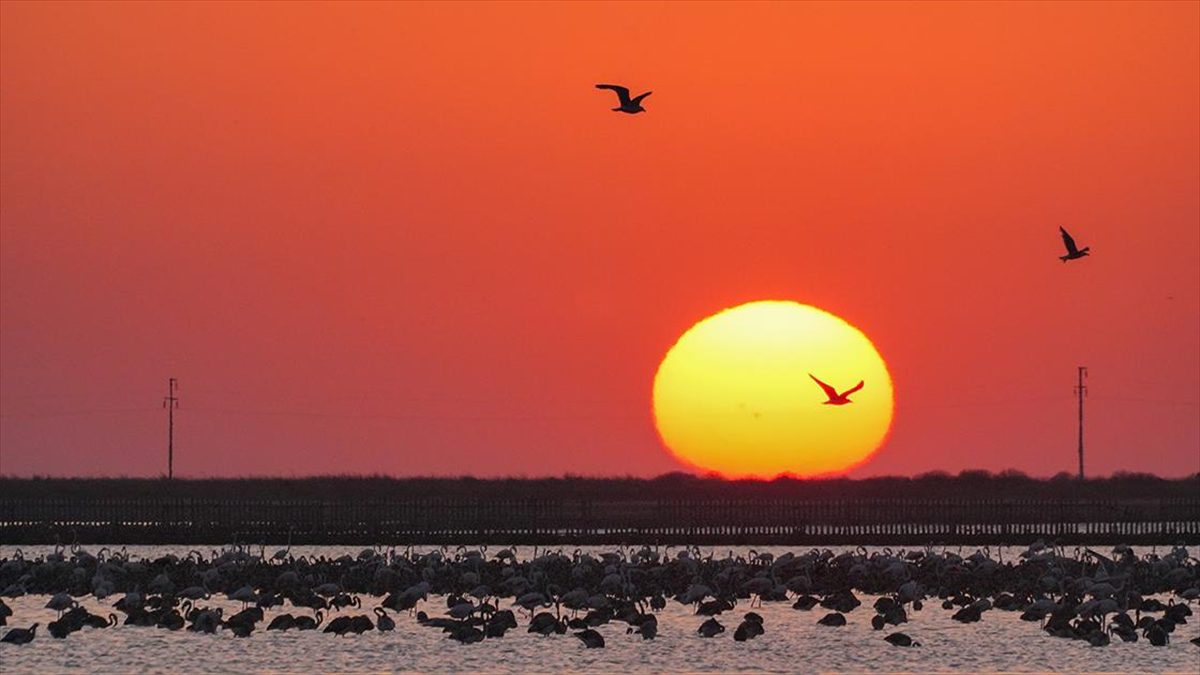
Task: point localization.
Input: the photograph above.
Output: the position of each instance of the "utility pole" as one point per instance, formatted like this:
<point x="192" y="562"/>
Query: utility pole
<point x="1081" y="392"/>
<point x="171" y="402"/>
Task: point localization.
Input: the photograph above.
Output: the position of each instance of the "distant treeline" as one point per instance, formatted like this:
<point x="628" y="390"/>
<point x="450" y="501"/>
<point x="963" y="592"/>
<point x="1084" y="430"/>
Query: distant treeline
<point x="937" y="485"/>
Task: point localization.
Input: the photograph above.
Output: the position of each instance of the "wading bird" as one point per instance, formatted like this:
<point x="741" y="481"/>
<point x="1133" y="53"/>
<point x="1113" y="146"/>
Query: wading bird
<point x="901" y="640"/>
<point x="20" y="636"/>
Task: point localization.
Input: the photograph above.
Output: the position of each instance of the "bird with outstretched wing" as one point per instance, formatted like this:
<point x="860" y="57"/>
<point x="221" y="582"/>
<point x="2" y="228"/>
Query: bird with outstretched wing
<point x="1073" y="251"/>
<point x="628" y="104"/>
<point x="832" y="394"/>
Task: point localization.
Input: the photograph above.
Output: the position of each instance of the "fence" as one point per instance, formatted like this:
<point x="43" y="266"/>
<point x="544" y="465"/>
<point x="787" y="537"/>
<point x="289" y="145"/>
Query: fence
<point x="164" y="520"/>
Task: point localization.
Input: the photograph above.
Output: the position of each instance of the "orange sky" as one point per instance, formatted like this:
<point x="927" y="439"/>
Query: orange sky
<point x="412" y="238"/>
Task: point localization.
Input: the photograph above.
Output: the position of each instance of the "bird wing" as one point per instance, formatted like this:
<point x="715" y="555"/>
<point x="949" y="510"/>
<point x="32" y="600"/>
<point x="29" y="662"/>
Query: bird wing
<point x="639" y="98"/>
<point x="853" y="389"/>
<point x="829" y="391"/>
<point x="622" y="92"/>
<point x="1068" y="240"/>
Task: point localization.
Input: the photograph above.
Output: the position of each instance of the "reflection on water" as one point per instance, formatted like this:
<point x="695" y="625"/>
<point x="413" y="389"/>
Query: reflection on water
<point x="793" y="642"/>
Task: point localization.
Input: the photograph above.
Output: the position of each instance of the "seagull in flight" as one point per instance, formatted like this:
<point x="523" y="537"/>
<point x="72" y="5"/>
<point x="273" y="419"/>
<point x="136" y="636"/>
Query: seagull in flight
<point x="1073" y="252"/>
<point x="628" y="105"/>
<point x="834" y="397"/>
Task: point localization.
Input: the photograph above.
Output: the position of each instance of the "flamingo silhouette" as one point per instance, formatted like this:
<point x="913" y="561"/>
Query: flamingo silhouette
<point x="282" y="622"/>
<point x="20" y="636"/>
<point x="834" y="397"/>
<point x="1073" y="251"/>
<point x="385" y="622"/>
<point x="309" y="622"/>
<point x="901" y="640"/>
<point x="591" y="638"/>
<point x="631" y="106"/>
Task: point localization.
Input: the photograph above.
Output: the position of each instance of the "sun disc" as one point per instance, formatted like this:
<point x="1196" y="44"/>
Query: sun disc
<point x="734" y="394"/>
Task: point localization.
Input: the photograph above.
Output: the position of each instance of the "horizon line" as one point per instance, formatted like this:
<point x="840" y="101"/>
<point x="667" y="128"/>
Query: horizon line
<point x="966" y="474"/>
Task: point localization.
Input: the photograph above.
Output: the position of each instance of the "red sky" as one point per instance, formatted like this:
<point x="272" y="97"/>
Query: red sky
<point x="412" y="239"/>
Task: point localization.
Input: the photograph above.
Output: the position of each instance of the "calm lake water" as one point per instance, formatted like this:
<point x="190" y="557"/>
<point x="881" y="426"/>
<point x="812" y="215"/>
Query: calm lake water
<point x="793" y="643"/>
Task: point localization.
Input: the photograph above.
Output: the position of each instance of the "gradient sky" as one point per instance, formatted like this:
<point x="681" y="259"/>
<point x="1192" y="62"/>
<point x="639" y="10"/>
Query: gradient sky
<point x="412" y="239"/>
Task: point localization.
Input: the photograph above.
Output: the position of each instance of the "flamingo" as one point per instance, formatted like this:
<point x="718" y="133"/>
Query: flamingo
<point x="282" y="554"/>
<point x="20" y="636"/>
<point x="710" y="628"/>
<point x="591" y="639"/>
<point x="832" y="619"/>
<point x="805" y="602"/>
<point x="901" y="640"/>
<point x="61" y="602"/>
<point x="546" y="623"/>
<point x="384" y="622"/>
<point x="170" y="620"/>
<point x="282" y="622"/>
<point x="750" y="628"/>
<point x="61" y="628"/>
<point x="647" y="627"/>
<point x="309" y="622"/>
<point x="340" y="625"/>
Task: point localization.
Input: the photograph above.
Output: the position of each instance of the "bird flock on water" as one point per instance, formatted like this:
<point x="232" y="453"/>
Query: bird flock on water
<point x="472" y="595"/>
<point x="1086" y="596"/>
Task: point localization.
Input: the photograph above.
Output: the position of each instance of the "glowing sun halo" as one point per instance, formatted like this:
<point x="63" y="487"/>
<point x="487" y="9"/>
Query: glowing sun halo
<point x="733" y="395"/>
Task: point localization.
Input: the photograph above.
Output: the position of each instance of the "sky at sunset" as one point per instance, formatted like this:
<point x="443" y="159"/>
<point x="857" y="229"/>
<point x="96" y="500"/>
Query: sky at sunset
<point x="414" y="239"/>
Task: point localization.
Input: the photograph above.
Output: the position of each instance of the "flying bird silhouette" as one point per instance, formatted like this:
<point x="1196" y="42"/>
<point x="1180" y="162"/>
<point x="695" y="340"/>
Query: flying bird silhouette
<point x="628" y="105"/>
<point x="834" y="397"/>
<point x="1073" y="251"/>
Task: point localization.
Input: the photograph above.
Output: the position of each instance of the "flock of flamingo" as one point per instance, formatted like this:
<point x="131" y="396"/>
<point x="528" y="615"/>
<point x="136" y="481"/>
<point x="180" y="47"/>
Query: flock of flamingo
<point x="1081" y="595"/>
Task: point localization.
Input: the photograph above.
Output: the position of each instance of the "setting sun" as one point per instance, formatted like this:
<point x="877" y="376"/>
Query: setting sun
<point x="734" y="395"/>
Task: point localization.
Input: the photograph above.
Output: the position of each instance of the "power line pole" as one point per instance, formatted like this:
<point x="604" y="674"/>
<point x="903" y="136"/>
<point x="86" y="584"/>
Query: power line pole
<point x="1081" y="392"/>
<point x="171" y="402"/>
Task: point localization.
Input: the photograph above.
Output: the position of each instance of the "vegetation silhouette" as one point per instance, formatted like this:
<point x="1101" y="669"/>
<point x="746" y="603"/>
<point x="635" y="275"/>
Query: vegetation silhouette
<point x="974" y="484"/>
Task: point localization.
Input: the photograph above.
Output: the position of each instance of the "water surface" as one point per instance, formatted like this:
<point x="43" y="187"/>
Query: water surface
<point x="793" y="643"/>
